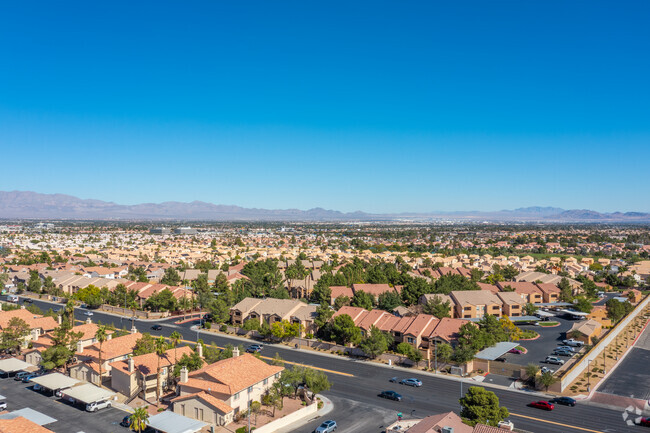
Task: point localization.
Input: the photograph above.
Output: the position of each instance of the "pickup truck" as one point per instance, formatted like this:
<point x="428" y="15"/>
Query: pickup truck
<point x="573" y="342"/>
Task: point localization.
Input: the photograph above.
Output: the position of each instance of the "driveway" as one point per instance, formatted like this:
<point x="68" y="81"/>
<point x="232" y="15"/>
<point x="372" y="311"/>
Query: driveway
<point x="70" y="419"/>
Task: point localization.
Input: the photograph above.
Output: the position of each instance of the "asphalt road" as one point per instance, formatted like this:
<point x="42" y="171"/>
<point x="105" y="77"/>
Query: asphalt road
<point x="355" y="385"/>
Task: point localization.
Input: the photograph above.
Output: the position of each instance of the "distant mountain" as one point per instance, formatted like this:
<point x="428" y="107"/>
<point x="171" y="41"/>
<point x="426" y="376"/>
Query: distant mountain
<point x="32" y="205"/>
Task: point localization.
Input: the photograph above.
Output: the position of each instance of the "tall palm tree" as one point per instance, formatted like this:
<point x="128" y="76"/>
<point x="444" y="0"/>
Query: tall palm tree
<point x="175" y="339"/>
<point x="139" y="419"/>
<point x="161" y="346"/>
<point x="69" y="309"/>
<point x="101" y="336"/>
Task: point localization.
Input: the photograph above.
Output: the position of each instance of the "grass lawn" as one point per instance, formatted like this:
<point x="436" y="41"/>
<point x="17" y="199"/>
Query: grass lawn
<point x="548" y="323"/>
<point x="528" y="334"/>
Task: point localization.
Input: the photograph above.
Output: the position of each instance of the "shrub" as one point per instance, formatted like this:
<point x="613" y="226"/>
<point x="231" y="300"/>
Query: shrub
<point x="208" y="325"/>
<point x="223" y="328"/>
<point x="320" y="404"/>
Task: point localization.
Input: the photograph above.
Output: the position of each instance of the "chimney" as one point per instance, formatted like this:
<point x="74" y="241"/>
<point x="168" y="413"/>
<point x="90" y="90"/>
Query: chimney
<point x="80" y="347"/>
<point x="235" y="352"/>
<point x="134" y="330"/>
<point x="184" y="375"/>
<point x="131" y="365"/>
<point x="89" y="320"/>
<point x="59" y="319"/>
<point x="199" y="350"/>
<point x="109" y="336"/>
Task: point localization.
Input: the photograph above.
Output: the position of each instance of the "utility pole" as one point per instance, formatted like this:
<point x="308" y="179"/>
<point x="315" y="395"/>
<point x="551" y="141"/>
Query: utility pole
<point x="435" y="343"/>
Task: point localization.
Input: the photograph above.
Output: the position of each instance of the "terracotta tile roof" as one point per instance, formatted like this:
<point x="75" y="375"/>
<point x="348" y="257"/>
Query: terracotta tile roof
<point x="434" y="423"/>
<point x="341" y="291"/>
<point x="211" y="400"/>
<point x="119" y="346"/>
<point x="548" y="288"/>
<point x="491" y="287"/>
<point x="148" y="363"/>
<point x="21" y="425"/>
<point x="475" y="297"/>
<point x="33" y="320"/>
<point x="373" y="289"/>
<point x="419" y="324"/>
<point x="88" y="330"/>
<point x="447" y="329"/>
<point x="356" y="313"/>
<point x="237" y="373"/>
<point x="211" y="386"/>
<point x="482" y="428"/>
<point x="521" y="287"/>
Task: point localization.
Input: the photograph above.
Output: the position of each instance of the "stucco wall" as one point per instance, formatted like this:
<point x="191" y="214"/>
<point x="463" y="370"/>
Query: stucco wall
<point x="289" y="419"/>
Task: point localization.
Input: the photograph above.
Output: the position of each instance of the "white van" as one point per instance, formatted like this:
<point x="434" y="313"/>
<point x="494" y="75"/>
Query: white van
<point x="12" y="298"/>
<point x="95" y="406"/>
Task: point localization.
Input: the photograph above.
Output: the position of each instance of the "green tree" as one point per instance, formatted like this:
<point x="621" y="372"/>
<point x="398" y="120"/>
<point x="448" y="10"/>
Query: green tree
<point x="388" y="301"/>
<point x="34" y="284"/>
<point x="171" y="277"/>
<point x="191" y="362"/>
<point x="444" y="352"/>
<point x="583" y="304"/>
<point x="220" y="311"/>
<point x="323" y="315"/>
<point x="343" y="330"/>
<point x="409" y="351"/>
<point x="341" y="301"/>
<point x="376" y="342"/>
<point x="530" y="309"/>
<point x="162" y="301"/>
<point x="175" y="339"/>
<point x="13" y="335"/>
<point x="616" y="309"/>
<point x="63" y="349"/>
<point x="160" y="348"/>
<point x="145" y="344"/>
<point x="532" y="370"/>
<point x="481" y="406"/>
<point x="101" y="336"/>
<point x="547" y="379"/>
<point x="322" y="292"/>
<point x="362" y="299"/>
<point x="566" y="293"/>
<point x="139" y="419"/>
<point x="437" y="308"/>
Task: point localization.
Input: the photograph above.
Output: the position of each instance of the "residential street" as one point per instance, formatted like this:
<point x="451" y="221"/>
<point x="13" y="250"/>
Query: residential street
<point x="357" y="383"/>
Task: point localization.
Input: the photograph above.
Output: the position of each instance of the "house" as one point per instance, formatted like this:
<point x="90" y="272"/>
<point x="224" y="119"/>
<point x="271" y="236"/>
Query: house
<point x="599" y="314"/>
<point x="113" y="350"/>
<point x="585" y="330"/>
<point x="87" y="330"/>
<point x="21" y="424"/>
<point x="374" y="289"/>
<point x="435" y="424"/>
<point x="513" y="304"/>
<point x="476" y="303"/>
<point x="217" y="392"/>
<point x="550" y="292"/>
<point x="337" y="291"/>
<point x="529" y="292"/>
<point x="138" y="375"/>
<point x="38" y="324"/>
<point x="633" y="295"/>
<point x="271" y="310"/>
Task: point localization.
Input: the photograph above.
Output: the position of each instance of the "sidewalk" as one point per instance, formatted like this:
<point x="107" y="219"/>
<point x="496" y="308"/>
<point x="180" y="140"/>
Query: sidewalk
<point x="328" y="406"/>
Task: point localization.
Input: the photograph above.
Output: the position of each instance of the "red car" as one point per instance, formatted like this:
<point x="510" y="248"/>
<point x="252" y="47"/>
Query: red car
<point x="517" y="351"/>
<point x="645" y="422"/>
<point x="542" y="405"/>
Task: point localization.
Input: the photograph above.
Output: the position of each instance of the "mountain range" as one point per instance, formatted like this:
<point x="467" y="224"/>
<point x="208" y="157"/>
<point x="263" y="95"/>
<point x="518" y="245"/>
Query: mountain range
<point x="32" y="205"/>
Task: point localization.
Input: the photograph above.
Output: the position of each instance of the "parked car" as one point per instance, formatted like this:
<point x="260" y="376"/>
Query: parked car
<point x="542" y="405"/>
<point x="156" y="327"/>
<point x="562" y="352"/>
<point x="20" y="375"/>
<point x="645" y="422"/>
<point x="394" y="379"/>
<point x="29" y="377"/>
<point x="326" y="427"/>
<point x="573" y="342"/>
<point x="567" y="348"/>
<point x="391" y="395"/>
<point x="566" y="401"/>
<point x="88" y="313"/>
<point x="411" y="382"/>
<point x="95" y="406"/>
<point x="546" y="370"/>
<point x="3" y="405"/>
<point x="506" y="424"/>
<point x="554" y="360"/>
<point x="37" y="387"/>
<point x="515" y="350"/>
<point x="126" y="421"/>
<point x="254" y="348"/>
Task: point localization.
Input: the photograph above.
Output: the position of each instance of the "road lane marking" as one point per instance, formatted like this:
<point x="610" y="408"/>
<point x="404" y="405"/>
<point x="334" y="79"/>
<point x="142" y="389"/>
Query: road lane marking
<point x="556" y="423"/>
<point x="286" y="362"/>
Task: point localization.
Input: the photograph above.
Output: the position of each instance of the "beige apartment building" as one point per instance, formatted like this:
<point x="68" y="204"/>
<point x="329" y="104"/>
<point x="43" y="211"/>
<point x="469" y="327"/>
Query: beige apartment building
<point x="473" y="304"/>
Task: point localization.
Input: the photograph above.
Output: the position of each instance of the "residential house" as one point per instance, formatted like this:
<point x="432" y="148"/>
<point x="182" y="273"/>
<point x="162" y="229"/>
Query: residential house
<point x="271" y="310"/>
<point x="87" y="330"/>
<point x="138" y="375"/>
<point x="217" y="392"/>
<point x="337" y="291"/>
<point x="375" y="289"/>
<point x="38" y="324"/>
<point x="476" y="303"/>
<point x="550" y="292"/>
<point x="113" y="350"/>
<point x="449" y="422"/>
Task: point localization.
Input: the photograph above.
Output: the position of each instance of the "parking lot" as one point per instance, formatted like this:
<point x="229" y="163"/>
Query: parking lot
<point x="539" y="349"/>
<point x="70" y="419"/>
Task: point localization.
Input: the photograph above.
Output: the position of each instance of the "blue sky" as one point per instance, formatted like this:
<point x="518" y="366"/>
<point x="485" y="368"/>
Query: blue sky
<point x="374" y="106"/>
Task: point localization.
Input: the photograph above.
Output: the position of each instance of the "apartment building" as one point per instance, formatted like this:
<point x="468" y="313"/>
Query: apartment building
<point x="271" y="310"/>
<point x="474" y="304"/>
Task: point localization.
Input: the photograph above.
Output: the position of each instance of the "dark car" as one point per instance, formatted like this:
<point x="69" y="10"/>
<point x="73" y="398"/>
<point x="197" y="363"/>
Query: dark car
<point x="28" y="301"/>
<point x="254" y="348"/>
<point x="391" y="395"/>
<point x="645" y="422"/>
<point x="156" y="327"/>
<point x="567" y="401"/>
<point x="394" y="379"/>
<point x="126" y="421"/>
<point x="542" y="405"/>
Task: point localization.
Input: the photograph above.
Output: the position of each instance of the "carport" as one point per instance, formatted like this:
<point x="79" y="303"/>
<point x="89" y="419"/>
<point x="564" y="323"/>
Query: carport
<point x="87" y="393"/>
<point x="493" y="352"/>
<point x="575" y="314"/>
<point x="30" y="414"/>
<point x="170" y="422"/>
<point x="55" y="382"/>
<point x="13" y="365"/>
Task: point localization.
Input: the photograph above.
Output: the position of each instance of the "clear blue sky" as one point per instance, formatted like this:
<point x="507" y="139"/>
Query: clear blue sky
<point x="374" y="106"/>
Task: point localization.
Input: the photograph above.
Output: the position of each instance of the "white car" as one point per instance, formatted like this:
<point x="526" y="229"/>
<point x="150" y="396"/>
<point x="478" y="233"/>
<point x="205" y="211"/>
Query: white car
<point x="88" y="313"/>
<point x="95" y="406"/>
<point x="3" y="405"/>
<point x="573" y="342"/>
<point x="506" y="424"/>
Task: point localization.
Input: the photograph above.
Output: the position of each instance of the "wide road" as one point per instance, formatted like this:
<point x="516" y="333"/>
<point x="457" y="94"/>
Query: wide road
<point x="355" y="385"/>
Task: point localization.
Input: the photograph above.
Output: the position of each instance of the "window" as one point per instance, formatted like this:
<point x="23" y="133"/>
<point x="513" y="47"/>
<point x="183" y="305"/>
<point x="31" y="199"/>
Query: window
<point x="266" y="382"/>
<point x="410" y="340"/>
<point x="163" y="371"/>
<point x="235" y="397"/>
<point x="250" y="389"/>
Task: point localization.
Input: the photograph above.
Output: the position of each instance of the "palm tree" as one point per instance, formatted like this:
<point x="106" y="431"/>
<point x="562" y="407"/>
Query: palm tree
<point x="175" y="339"/>
<point x="69" y="309"/>
<point x="139" y="419"/>
<point x="100" y="336"/>
<point x="161" y="345"/>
